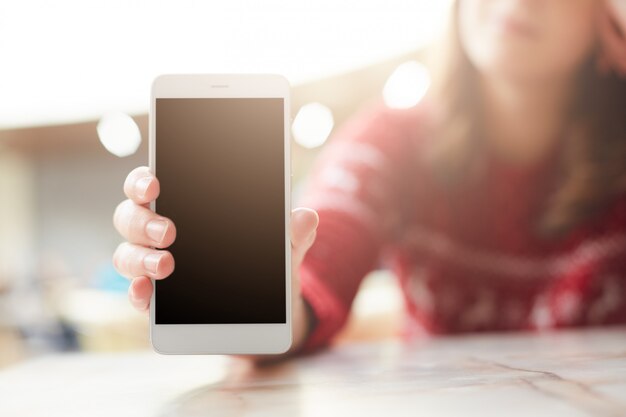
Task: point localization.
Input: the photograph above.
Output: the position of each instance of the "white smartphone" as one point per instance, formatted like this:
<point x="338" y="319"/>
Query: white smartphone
<point x="219" y="145"/>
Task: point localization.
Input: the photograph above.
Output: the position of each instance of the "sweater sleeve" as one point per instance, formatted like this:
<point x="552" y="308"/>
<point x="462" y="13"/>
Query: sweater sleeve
<point x="592" y="290"/>
<point x="602" y="284"/>
<point x="357" y="187"/>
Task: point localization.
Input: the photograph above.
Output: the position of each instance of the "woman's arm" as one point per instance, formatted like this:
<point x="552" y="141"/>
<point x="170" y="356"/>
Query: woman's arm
<point x="357" y="186"/>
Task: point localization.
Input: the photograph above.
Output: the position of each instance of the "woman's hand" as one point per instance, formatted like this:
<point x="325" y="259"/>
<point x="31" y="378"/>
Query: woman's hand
<point x="144" y="229"/>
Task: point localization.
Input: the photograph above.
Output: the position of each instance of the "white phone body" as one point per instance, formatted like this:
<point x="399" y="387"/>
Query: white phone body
<point x="224" y="338"/>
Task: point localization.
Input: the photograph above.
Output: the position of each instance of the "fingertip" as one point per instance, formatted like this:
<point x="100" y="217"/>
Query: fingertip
<point x="304" y="226"/>
<point x="140" y="292"/>
<point x="141" y="186"/>
<point x="166" y="265"/>
<point x="169" y="236"/>
<point x="317" y="217"/>
<point x="306" y="216"/>
<point x="152" y="189"/>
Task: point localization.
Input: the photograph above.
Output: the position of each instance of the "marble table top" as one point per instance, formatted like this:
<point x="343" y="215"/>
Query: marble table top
<point x="568" y="373"/>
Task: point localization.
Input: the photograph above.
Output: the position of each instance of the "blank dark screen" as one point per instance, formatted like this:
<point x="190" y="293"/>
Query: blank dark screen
<point x="220" y="163"/>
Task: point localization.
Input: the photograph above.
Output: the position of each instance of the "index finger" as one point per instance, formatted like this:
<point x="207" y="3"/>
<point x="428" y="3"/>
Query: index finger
<point x="141" y="186"/>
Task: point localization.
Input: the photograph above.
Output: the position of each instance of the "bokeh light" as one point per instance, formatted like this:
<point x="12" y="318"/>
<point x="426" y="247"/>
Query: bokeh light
<point x="312" y="125"/>
<point x="119" y="134"/>
<point x="406" y="86"/>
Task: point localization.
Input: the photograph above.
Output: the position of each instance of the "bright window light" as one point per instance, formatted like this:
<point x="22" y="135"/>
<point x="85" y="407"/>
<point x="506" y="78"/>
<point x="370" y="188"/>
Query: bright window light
<point x="312" y="125"/>
<point x="67" y="61"/>
<point x="406" y="86"/>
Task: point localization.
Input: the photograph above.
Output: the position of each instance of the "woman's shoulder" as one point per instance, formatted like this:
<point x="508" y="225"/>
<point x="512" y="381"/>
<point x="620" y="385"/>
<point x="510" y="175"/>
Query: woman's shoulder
<point x="393" y="131"/>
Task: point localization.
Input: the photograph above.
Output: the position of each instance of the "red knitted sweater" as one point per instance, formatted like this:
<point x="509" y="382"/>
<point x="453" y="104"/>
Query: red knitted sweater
<point x="466" y="258"/>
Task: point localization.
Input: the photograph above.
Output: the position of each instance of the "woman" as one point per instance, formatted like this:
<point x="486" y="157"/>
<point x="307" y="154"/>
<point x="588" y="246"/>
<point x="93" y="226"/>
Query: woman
<point x="499" y="201"/>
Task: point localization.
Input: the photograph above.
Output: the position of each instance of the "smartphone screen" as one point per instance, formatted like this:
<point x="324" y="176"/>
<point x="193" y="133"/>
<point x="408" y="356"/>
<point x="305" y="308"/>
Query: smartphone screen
<point x="221" y="167"/>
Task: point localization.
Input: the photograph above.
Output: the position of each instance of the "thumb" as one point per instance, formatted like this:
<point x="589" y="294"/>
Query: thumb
<point x="304" y="222"/>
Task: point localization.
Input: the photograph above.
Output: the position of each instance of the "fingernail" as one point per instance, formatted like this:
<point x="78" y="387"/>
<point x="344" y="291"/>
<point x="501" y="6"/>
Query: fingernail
<point x="136" y="300"/>
<point x="156" y="230"/>
<point x="141" y="186"/>
<point x="151" y="262"/>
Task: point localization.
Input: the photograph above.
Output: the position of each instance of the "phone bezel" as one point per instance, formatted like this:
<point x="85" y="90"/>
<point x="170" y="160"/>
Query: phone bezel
<point x="263" y="338"/>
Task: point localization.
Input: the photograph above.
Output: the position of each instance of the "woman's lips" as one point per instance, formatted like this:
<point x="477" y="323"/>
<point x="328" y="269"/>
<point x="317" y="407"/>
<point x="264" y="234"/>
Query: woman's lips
<point x="511" y="25"/>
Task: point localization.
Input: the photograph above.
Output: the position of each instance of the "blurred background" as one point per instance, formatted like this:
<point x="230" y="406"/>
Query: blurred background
<point x="73" y="69"/>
